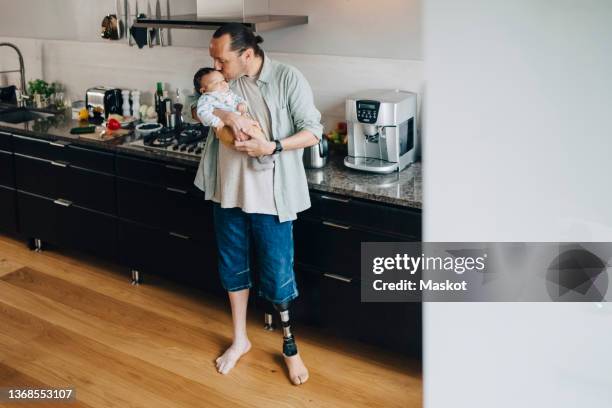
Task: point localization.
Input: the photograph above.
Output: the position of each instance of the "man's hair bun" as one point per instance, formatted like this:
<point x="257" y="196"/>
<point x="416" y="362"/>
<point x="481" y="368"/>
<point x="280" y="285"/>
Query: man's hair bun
<point x="259" y="39"/>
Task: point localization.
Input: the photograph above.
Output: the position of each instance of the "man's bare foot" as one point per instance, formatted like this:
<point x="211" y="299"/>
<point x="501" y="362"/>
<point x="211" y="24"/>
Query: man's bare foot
<point x="228" y="360"/>
<point x="298" y="373"/>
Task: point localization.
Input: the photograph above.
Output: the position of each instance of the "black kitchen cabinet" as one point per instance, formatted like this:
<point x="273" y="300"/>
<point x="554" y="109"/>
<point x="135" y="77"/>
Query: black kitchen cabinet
<point x="168" y="254"/>
<point x="6" y="141"/>
<point x="8" y="210"/>
<point x="63" y="223"/>
<point x="7" y="173"/>
<point x="39" y="217"/>
<point x="167" y="216"/>
<point x="40" y="176"/>
<point x="396" y="326"/>
<point x="89" y="231"/>
<point x="331" y="247"/>
<point x="44" y="149"/>
<point x="8" y="204"/>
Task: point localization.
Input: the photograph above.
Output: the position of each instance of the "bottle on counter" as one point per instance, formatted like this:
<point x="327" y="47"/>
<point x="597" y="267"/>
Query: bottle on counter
<point x="159" y="96"/>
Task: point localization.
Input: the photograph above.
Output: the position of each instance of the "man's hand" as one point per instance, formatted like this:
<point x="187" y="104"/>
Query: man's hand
<point x="236" y="122"/>
<point x="255" y="147"/>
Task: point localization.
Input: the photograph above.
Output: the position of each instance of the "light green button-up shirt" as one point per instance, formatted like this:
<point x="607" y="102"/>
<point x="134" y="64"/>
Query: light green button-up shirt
<point x="289" y="98"/>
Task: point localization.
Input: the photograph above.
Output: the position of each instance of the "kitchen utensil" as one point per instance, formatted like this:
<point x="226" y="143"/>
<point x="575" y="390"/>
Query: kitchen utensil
<point x="150" y="33"/>
<point x="140" y="34"/>
<point x="316" y="156"/>
<point x="158" y="15"/>
<point x="126" y="10"/>
<point x="120" y="22"/>
<point x="110" y="27"/>
<point x="169" y="34"/>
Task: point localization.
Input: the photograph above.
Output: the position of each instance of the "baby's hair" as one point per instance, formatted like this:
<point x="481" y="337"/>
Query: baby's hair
<point x="197" y="78"/>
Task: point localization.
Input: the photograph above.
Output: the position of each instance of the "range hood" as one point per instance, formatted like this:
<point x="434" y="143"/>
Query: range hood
<point x="211" y="14"/>
<point x="259" y="23"/>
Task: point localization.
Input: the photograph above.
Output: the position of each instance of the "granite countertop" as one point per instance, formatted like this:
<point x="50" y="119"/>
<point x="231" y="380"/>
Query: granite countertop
<point x="403" y="188"/>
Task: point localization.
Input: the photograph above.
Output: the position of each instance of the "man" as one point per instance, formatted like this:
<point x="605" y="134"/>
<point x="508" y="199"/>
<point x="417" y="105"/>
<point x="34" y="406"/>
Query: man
<point x="255" y="206"/>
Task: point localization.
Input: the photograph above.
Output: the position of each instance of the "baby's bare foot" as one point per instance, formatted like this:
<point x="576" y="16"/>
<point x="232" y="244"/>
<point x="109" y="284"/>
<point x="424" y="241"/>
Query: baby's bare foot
<point x="298" y="373"/>
<point x="228" y="360"/>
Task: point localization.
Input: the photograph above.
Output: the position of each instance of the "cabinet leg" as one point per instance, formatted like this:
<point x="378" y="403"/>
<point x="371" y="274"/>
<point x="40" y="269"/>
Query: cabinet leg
<point x="35" y="244"/>
<point x="136" y="280"/>
<point x="269" y="317"/>
<point x="269" y="322"/>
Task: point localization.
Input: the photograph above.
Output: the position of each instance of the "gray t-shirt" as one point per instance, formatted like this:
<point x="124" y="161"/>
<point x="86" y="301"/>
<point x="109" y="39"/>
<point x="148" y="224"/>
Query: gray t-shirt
<point x="241" y="181"/>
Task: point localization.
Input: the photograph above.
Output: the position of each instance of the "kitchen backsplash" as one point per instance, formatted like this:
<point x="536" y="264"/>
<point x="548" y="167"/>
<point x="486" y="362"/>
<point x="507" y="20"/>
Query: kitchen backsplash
<point x="80" y="65"/>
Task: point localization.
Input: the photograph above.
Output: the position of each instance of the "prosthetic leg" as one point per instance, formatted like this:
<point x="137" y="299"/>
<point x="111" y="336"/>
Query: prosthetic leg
<point x="289" y="346"/>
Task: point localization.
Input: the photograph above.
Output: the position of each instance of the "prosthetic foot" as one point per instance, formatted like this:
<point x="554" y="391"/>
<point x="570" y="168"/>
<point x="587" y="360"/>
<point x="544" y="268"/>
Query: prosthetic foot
<point x="298" y="373"/>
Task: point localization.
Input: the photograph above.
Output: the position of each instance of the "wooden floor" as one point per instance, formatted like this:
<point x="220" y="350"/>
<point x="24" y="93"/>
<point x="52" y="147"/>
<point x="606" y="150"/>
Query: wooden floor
<point x="67" y="320"/>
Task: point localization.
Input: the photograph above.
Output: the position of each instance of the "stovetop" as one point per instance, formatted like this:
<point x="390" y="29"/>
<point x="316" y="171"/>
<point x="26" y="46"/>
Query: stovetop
<point x="189" y="141"/>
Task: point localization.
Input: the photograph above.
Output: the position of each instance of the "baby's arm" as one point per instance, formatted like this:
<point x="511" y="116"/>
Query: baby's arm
<point x="206" y="107"/>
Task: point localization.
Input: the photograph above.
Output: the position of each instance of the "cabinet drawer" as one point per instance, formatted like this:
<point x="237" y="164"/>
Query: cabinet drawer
<point x="380" y="217"/>
<point x="45" y="149"/>
<point x="39" y="176"/>
<point x="394" y="326"/>
<point x="7" y="172"/>
<point x="8" y="213"/>
<point x="89" y="189"/>
<point x="192" y="262"/>
<point x="91" y="159"/>
<point x="332" y="248"/>
<point x="89" y="231"/>
<point x="180" y="177"/>
<point x="147" y="171"/>
<point x="166" y="254"/>
<point x="6" y="142"/>
<point x="144" y="203"/>
<point x="154" y="172"/>
<point x="141" y="247"/>
<point x="38" y="217"/>
<point x="188" y="214"/>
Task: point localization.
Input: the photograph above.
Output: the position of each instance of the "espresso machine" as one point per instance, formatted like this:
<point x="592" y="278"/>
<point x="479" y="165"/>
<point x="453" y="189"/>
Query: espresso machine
<point x="382" y="130"/>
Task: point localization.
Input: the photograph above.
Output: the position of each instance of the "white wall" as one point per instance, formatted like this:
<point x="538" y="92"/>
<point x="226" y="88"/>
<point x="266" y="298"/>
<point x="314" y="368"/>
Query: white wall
<point x="518" y="108"/>
<point x="362" y="28"/>
<point x="80" y="65"/>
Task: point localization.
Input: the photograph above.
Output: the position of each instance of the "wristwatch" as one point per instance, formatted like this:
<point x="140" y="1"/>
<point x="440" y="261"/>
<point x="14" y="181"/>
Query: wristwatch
<point x="278" y="148"/>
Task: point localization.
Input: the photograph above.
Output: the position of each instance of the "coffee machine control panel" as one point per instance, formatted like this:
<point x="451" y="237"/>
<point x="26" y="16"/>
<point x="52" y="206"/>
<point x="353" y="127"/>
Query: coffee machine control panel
<point x="367" y="111"/>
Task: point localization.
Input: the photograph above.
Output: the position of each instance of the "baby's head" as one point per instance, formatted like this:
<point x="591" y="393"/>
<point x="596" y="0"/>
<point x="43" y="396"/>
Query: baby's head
<point x="209" y="80"/>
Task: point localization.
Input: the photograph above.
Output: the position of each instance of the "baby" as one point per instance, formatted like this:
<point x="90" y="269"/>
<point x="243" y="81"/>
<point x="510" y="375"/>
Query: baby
<point x="216" y="94"/>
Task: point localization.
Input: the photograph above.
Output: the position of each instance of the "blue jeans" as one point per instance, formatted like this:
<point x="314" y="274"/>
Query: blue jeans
<point x="236" y="231"/>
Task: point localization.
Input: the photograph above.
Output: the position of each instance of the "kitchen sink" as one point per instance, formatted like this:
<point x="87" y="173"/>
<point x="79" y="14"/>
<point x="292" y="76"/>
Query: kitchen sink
<point x="20" y="115"/>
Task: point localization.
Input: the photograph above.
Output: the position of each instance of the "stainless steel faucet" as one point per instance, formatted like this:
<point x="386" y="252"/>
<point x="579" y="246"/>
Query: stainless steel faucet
<point x="21" y="66"/>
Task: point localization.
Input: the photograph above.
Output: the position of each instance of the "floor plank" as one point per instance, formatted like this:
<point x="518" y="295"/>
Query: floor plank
<point x="68" y="317"/>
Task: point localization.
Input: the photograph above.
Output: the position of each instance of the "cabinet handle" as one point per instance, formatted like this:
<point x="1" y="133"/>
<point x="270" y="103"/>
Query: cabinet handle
<point x="169" y="166"/>
<point x="174" y="234"/>
<point x="62" y="202"/>
<point x="342" y="200"/>
<point x="332" y="224"/>
<point x="338" y="277"/>
<point x="59" y="144"/>
<point x="5" y="134"/>
<point x="176" y="190"/>
<point x="59" y="164"/>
